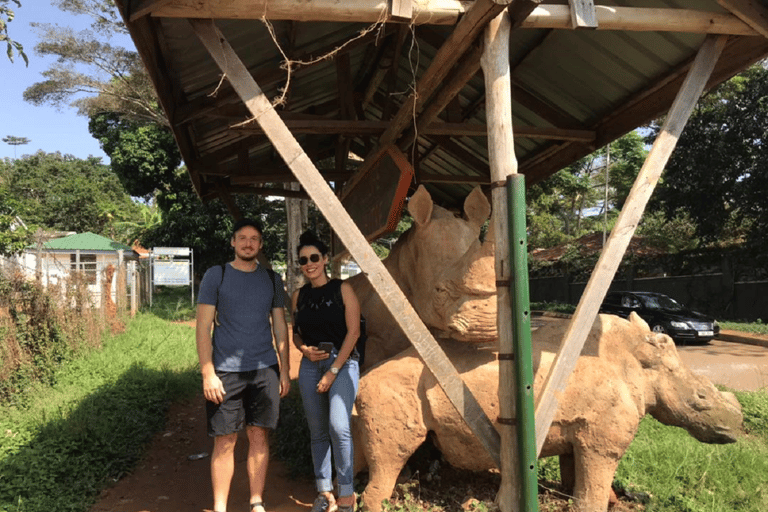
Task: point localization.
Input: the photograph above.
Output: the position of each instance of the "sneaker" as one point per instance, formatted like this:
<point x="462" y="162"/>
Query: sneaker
<point x="322" y="504"/>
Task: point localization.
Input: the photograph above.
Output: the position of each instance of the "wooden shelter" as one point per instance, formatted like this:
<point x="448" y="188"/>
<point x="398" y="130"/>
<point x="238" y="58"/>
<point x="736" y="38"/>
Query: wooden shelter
<point x="398" y="84"/>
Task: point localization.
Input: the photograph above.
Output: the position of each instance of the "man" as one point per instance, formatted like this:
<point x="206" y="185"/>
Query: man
<point x="242" y="378"/>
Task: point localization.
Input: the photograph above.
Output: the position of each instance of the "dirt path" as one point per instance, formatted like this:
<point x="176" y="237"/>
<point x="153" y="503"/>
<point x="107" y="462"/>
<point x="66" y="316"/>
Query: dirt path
<point x="168" y="481"/>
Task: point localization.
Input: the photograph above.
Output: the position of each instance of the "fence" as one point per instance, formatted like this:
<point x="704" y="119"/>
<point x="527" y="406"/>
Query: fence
<point x="715" y="294"/>
<point x="120" y="285"/>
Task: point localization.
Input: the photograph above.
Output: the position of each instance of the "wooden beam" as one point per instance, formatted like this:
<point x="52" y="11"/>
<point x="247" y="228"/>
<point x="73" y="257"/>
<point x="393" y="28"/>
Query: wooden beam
<point x="449" y="12"/>
<point x="751" y="12"/>
<point x="643" y="19"/>
<point x="582" y="13"/>
<point x="455" y="46"/>
<point x="325" y="199"/>
<point x="145" y="7"/>
<point x="284" y="177"/>
<point x="457" y="180"/>
<point x="629" y="218"/>
<point x="503" y="163"/>
<point x="267" y="191"/>
<point x="433" y="12"/>
<point x="358" y="128"/>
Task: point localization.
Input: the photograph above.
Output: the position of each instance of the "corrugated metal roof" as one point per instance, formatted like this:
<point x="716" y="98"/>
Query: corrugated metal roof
<point x="583" y="87"/>
<point x="85" y="242"/>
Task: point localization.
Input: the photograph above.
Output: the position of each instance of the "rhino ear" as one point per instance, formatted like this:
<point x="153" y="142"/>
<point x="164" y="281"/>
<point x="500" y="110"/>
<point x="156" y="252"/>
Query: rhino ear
<point x="635" y="319"/>
<point x="476" y="207"/>
<point x="420" y="206"/>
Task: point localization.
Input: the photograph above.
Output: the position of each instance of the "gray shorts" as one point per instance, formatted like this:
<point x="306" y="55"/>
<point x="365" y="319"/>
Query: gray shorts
<point x="252" y="398"/>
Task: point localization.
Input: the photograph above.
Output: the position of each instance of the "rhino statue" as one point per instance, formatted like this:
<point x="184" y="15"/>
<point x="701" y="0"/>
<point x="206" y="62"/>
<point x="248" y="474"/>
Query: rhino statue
<point x="625" y="372"/>
<point x="445" y="272"/>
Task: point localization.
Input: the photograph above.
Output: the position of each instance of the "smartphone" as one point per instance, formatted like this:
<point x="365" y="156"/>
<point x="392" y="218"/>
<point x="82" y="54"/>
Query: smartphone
<point x="325" y="346"/>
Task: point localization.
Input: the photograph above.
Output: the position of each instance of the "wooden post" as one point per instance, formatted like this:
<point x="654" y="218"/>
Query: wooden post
<point x="586" y="311"/>
<point x="501" y="155"/>
<point x="381" y="281"/>
<point x="121" y="291"/>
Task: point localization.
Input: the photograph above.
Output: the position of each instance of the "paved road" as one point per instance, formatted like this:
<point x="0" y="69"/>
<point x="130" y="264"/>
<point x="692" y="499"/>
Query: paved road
<point x="737" y="365"/>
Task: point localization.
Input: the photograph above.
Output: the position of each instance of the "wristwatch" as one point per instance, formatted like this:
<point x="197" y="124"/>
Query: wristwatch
<point x="334" y="370"/>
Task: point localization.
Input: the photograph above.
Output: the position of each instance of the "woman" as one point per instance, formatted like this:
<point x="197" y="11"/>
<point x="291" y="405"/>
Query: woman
<point x="326" y="329"/>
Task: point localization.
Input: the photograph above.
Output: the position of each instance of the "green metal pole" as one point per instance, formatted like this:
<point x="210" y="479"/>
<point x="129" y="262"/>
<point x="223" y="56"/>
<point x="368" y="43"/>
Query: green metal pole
<point x="521" y="333"/>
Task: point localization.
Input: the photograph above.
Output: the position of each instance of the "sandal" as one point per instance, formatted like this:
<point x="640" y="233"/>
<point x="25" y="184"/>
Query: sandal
<point x="257" y="506"/>
<point x="346" y="508"/>
<point x="322" y="504"/>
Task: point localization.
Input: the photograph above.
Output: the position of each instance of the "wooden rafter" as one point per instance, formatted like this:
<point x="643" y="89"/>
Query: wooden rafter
<point x="435" y="12"/>
<point x="363" y="128"/>
<point x="455" y="46"/>
<point x="629" y="218"/>
<point x="325" y="199"/>
<point x="643" y="19"/>
<point x="145" y="7"/>
<point x="751" y="12"/>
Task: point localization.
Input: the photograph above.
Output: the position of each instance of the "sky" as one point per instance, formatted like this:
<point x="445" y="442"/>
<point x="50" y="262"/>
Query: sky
<point x="48" y="129"/>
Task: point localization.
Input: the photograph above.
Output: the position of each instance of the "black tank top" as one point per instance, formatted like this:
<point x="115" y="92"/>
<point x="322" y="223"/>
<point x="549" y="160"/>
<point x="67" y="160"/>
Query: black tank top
<point x="319" y="316"/>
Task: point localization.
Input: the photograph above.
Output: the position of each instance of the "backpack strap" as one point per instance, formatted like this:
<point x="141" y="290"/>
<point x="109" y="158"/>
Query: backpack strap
<point x="223" y="269"/>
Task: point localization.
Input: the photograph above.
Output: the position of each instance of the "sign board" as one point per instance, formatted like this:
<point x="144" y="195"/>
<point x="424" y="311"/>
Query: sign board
<point x="378" y="199"/>
<point x="171" y="251"/>
<point x="171" y="273"/>
<point x="172" y="266"/>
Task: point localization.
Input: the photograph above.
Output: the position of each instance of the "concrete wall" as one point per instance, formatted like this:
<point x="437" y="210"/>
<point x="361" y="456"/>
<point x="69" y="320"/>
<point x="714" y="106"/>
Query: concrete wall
<point x="714" y="294"/>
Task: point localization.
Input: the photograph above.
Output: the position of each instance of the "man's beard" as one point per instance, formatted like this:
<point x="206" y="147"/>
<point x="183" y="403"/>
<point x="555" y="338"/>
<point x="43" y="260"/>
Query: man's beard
<point x="245" y="257"/>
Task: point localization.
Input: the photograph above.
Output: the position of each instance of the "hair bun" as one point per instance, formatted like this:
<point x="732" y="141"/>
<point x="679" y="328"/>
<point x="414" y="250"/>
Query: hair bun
<point x="308" y="238"/>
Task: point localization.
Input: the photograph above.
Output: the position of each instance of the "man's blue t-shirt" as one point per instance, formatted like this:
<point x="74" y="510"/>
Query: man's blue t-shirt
<point x="243" y="339"/>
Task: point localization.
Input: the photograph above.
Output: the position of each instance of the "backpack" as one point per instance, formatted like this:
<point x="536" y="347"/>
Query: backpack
<point x="301" y="302"/>
<point x="270" y="273"/>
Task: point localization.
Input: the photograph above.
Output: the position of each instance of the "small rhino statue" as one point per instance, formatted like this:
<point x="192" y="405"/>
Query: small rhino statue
<point x="444" y="270"/>
<point x="625" y="371"/>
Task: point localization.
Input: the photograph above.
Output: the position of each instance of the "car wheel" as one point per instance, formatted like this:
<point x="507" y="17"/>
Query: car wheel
<point x="659" y="328"/>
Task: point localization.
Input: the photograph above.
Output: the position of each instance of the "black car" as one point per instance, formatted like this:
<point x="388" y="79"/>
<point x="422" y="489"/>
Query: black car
<point x="663" y="314"/>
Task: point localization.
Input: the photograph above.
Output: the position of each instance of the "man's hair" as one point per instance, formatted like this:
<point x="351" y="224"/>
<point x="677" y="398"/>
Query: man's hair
<point x="247" y="222"/>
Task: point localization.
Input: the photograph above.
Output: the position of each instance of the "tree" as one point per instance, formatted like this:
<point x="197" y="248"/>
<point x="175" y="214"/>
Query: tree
<point x="207" y="227"/>
<point x="89" y="73"/>
<point x="6" y="16"/>
<point x="718" y="173"/>
<point x="144" y="156"/>
<point x="66" y="193"/>
<point x="14" y="236"/>
<point x="565" y="206"/>
<point x="15" y="141"/>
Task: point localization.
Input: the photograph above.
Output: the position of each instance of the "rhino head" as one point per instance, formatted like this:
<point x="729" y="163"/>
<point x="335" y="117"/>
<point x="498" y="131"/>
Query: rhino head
<point x="446" y="271"/>
<point x="676" y="396"/>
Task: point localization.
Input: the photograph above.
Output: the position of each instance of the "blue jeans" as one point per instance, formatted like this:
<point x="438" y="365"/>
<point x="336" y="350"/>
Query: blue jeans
<point x="329" y="417"/>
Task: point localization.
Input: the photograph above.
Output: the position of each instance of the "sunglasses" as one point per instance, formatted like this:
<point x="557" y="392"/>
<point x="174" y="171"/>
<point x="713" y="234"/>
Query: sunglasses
<point x="314" y="258"/>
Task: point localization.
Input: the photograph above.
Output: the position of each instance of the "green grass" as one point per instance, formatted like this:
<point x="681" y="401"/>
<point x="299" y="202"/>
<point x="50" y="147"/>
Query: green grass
<point x="92" y="426"/>
<point x="757" y="327"/>
<point x="172" y="303"/>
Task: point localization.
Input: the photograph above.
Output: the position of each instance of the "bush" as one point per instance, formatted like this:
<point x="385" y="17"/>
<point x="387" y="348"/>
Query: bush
<point x="41" y="329"/>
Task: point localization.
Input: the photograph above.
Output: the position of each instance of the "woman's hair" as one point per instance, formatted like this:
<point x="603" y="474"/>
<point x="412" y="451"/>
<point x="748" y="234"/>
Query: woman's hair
<point x="308" y="238"/>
